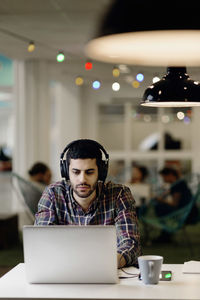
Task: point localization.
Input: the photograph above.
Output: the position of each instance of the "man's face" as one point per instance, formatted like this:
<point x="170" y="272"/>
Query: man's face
<point x="169" y="178"/>
<point x="83" y="175"/>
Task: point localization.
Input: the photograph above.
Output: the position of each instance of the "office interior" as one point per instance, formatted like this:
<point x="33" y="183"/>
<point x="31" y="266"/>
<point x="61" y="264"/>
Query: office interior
<point x="42" y="109"/>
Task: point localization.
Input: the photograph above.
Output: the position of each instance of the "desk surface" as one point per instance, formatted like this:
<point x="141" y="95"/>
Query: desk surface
<point x="13" y="285"/>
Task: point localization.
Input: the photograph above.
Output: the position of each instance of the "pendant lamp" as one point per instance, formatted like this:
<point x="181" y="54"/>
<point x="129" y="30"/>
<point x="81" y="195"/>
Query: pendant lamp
<point x="150" y="33"/>
<point x="175" y="89"/>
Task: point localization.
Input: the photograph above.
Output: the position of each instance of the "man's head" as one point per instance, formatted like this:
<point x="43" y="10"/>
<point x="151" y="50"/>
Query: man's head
<point x="41" y="173"/>
<point x="169" y="175"/>
<point x="84" y="166"/>
<point x="83" y="149"/>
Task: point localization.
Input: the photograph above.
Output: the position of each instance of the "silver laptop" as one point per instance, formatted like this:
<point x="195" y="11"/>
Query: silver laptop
<point x="70" y="254"/>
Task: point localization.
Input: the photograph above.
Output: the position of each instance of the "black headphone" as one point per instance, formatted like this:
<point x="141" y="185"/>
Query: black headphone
<point x="102" y="168"/>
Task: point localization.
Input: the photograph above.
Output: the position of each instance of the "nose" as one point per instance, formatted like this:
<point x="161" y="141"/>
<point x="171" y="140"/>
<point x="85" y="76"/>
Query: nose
<point x="82" y="177"/>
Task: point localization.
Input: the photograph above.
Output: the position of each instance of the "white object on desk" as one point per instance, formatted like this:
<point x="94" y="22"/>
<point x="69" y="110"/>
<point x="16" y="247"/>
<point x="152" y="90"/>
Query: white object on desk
<point x="192" y="267"/>
<point x="13" y="285"/>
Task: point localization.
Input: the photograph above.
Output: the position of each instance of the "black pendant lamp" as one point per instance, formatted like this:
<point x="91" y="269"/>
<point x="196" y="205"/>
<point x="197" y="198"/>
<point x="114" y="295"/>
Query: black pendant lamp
<point x="150" y="33"/>
<point x="175" y="89"/>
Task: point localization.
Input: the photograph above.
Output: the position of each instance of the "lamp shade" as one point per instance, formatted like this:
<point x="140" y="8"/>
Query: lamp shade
<point x="151" y="33"/>
<point x="175" y="89"/>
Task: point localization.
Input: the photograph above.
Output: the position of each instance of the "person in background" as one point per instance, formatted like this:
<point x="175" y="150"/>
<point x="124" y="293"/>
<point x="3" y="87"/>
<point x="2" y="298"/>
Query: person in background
<point x="139" y="174"/>
<point x="5" y="161"/>
<point x="40" y="175"/>
<point x="175" y="197"/>
<point x="84" y="198"/>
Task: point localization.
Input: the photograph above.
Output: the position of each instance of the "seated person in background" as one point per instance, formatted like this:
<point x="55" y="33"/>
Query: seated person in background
<point x="83" y="198"/>
<point x="40" y="175"/>
<point x="177" y="196"/>
<point x="5" y="161"/>
<point x="139" y="174"/>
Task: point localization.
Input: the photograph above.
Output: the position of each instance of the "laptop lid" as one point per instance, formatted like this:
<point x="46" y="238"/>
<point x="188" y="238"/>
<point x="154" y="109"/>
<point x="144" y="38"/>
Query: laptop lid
<point x="70" y="254"/>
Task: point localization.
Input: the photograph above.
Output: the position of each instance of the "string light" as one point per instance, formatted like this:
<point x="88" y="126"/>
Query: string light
<point x="31" y="46"/>
<point x="135" y="84"/>
<point x="180" y="115"/>
<point x="79" y="80"/>
<point x="140" y="77"/>
<point x="116" y="86"/>
<point x="96" y="84"/>
<point x="88" y="65"/>
<point x="116" y="72"/>
<point x="60" y="56"/>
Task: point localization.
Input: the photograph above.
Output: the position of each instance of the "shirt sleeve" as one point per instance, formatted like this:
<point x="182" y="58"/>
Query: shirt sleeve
<point x="128" y="237"/>
<point x="46" y="214"/>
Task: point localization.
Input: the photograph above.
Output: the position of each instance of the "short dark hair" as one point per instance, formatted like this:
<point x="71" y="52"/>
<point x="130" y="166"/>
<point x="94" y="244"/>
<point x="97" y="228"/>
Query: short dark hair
<point x="168" y="171"/>
<point x="83" y="149"/>
<point x="38" y="168"/>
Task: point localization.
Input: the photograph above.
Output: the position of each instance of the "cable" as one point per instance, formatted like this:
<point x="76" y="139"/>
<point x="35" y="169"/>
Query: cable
<point x="133" y="275"/>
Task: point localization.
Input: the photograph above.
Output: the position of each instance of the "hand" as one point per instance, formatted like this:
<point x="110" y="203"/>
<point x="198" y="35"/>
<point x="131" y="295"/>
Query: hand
<point x="121" y="260"/>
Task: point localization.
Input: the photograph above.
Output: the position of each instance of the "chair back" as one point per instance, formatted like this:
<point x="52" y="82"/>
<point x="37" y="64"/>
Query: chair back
<point x="29" y="192"/>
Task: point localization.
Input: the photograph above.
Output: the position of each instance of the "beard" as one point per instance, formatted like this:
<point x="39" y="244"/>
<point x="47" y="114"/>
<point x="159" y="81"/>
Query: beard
<point x="84" y="190"/>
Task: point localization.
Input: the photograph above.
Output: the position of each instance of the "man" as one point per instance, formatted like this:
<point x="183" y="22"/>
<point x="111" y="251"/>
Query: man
<point x="84" y="198"/>
<point x="177" y="196"/>
<point x="40" y="175"/>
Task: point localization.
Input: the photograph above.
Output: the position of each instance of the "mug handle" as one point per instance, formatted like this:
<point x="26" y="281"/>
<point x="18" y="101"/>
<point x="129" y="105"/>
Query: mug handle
<point x="151" y="265"/>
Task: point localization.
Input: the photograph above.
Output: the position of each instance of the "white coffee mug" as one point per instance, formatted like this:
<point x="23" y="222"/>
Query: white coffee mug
<point x="150" y="268"/>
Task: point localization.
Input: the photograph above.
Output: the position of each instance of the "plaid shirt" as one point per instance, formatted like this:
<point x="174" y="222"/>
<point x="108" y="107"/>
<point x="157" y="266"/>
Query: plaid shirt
<point x="113" y="206"/>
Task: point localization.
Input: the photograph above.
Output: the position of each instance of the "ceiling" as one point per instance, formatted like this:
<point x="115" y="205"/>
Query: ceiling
<point x="53" y="25"/>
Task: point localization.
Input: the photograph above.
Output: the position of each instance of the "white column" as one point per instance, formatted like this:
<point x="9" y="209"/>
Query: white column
<point x="20" y="108"/>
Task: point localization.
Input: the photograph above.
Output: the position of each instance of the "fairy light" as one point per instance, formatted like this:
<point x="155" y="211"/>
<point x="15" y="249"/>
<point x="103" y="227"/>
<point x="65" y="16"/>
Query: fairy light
<point x="96" y="84"/>
<point x="116" y="72"/>
<point x="140" y="77"/>
<point x="31" y="46"/>
<point x="79" y="80"/>
<point x="88" y="65"/>
<point x="116" y="86"/>
<point x="60" y="56"/>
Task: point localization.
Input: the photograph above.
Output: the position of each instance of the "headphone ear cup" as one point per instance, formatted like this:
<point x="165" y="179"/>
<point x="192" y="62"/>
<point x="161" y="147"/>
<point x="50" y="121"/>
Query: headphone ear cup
<point x="103" y="171"/>
<point x="64" y="169"/>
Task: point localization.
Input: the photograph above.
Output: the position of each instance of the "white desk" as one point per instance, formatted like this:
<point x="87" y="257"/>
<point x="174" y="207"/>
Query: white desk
<point x="13" y="285"/>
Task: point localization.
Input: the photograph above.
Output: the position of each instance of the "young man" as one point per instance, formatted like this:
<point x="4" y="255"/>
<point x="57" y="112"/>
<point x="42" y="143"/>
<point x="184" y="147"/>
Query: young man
<point x="177" y="196"/>
<point x="84" y="198"/>
<point x="40" y="175"/>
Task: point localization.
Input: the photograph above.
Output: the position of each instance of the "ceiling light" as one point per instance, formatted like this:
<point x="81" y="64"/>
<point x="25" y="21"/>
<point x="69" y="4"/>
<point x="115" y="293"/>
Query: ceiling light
<point x="96" y="84"/>
<point x="31" y="47"/>
<point x="60" y="56"/>
<point x="126" y="37"/>
<point x="155" y="79"/>
<point x="116" y="72"/>
<point x="79" y="80"/>
<point x="135" y="84"/>
<point x="175" y="89"/>
<point x="140" y="77"/>
<point x="116" y="86"/>
<point x="88" y="65"/>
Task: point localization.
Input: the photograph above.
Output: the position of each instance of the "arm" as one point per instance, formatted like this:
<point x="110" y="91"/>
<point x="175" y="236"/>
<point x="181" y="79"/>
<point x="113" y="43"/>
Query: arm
<point x="172" y="199"/>
<point x="128" y="237"/>
<point x="46" y="214"/>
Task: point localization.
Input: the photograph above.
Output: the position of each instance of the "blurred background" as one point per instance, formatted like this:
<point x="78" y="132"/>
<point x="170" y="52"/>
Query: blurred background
<point x="46" y="103"/>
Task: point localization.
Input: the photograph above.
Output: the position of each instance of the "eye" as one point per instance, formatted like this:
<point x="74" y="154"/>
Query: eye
<point x="75" y="172"/>
<point x="90" y="172"/>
